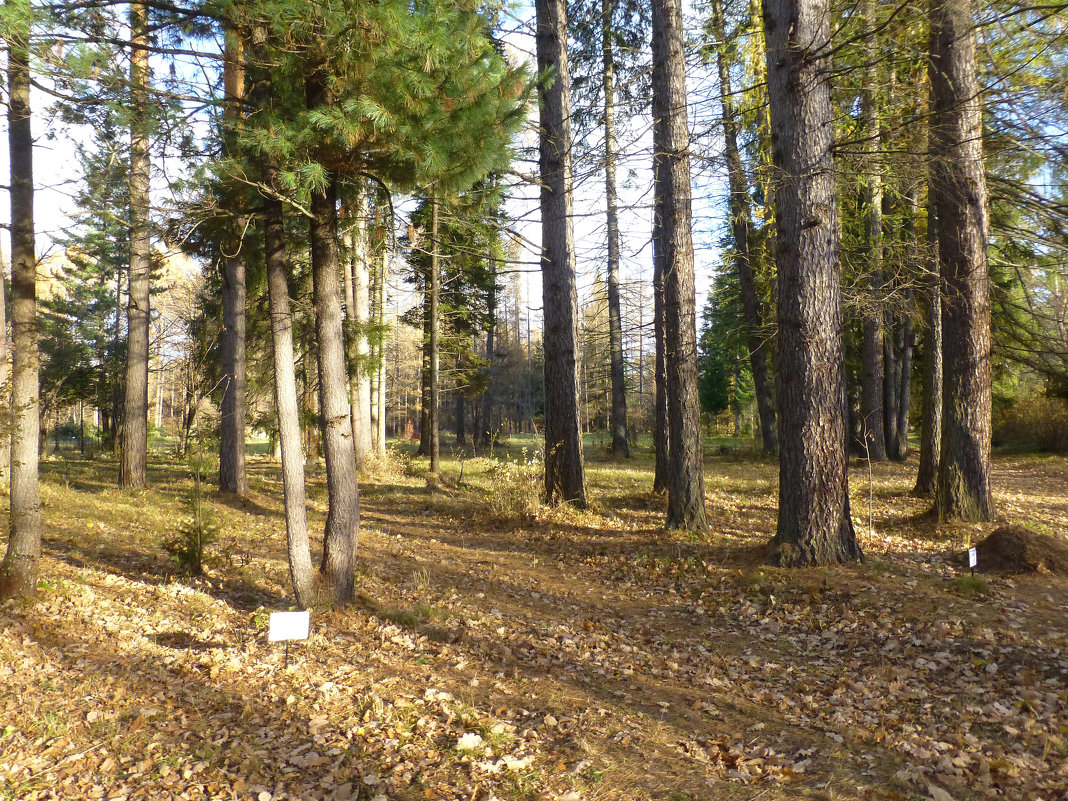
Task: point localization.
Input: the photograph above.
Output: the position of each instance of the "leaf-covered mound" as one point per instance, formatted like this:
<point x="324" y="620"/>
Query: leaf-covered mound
<point x="1015" y="549"/>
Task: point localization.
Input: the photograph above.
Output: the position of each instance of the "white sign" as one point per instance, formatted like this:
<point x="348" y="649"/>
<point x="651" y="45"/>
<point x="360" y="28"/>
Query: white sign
<point x="288" y="626"/>
<point x="973" y="557"/>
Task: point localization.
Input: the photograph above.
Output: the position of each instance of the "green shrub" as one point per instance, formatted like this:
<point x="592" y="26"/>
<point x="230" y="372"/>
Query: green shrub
<point x="199" y="531"/>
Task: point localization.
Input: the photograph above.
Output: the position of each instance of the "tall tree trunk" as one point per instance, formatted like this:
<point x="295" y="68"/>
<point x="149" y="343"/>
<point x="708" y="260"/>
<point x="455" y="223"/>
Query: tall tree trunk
<point x="434" y="397"/>
<point x="873" y="410"/>
<point x="900" y="451"/>
<point x="138" y="315"/>
<point x="232" y="474"/>
<point x="741" y="225"/>
<point x="424" y="376"/>
<point x="891" y="380"/>
<point x="461" y="423"/>
<point x="814" y="525"/>
<point x="18" y="570"/>
<point x="380" y="352"/>
<point x="486" y="435"/>
<point x="661" y="443"/>
<point x="285" y="396"/>
<point x="671" y="226"/>
<point x="618" y="415"/>
<point x="565" y="479"/>
<point x="5" y="375"/>
<point x="959" y="189"/>
<point x="931" y="423"/>
<point x="343" y="514"/>
<point x="357" y="312"/>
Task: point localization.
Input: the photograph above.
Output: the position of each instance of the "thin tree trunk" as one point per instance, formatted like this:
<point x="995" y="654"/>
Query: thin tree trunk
<point x="814" y="524"/>
<point x="671" y="226"/>
<point x="357" y="307"/>
<point x="434" y="407"/>
<point x="900" y="450"/>
<point x="618" y="415"/>
<point x="486" y="435"/>
<point x="931" y="423"/>
<point x="424" y="376"/>
<point x="873" y="407"/>
<point x="891" y="380"/>
<point x="461" y="423"/>
<point x="138" y="315"/>
<point x="232" y="474"/>
<point x="959" y="189"/>
<point x="564" y="470"/>
<point x="661" y="445"/>
<point x="380" y="347"/>
<point x="18" y="571"/>
<point x="338" y="567"/>
<point x="286" y="405"/>
<point x="741" y="225"/>
<point x="6" y="418"/>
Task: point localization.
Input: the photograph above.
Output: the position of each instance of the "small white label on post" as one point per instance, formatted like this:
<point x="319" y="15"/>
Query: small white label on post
<point x="973" y="557"/>
<point x="288" y="626"/>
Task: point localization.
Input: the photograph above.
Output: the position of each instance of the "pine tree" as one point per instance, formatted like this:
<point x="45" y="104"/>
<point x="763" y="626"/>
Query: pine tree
<point x="814" y="525"/>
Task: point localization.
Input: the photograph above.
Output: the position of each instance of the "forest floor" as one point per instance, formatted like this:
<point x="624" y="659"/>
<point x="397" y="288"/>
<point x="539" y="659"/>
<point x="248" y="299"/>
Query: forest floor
<point x="503" y="650"/>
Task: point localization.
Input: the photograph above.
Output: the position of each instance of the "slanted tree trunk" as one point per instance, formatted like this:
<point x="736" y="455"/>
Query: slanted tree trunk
<point x="285" y="386"/>
<point x="931" y="423"/>
<point x="343" y="514"/>
<point x="741" y="225"/>
<point x="814" y="525"/>
<point x="135" y="408"/>
<point x="618" y="414"/>
<point x="671" y="225"/>
<point x="18" y="570"/>
<point x="434" y="398"/>
<point x="232" y="474"/>
<point x="958" y="184"/>
<point x="565" y="479"/>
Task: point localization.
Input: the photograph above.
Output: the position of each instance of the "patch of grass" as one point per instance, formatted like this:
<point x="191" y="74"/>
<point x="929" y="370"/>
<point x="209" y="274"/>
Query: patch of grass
<point x="970" y="586"/>
<point x="414" y="617"/>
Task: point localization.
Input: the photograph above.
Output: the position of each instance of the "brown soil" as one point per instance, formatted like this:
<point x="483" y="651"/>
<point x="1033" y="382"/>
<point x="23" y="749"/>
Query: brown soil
<point x="1015" y="549"/>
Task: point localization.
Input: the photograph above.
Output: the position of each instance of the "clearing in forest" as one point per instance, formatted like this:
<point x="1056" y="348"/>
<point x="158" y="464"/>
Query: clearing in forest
<point x="504" y="650"/>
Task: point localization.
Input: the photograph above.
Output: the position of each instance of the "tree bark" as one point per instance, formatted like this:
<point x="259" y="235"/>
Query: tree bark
<point x="424" y="376"/>
<point x="138" y="315"/>
<point x="6" y="418"/>
<point x="564" y="470"/>
<point x="18" y="570"/>
<point x="380" y="348"/>
<point x="661" y="443"/>
<point x="486" y="435"/>
<point x="434" y="408"/>
<point x="232" y="474"/>
<point x="671" y="226"/>
<point x="618" y="415"/>
<point x="741" y="225"/>
<point x="873" y="407"/>
<point x="814" y="524"/>
<point x="931" y="423"/>
<point x="286" y="405"/>
<point x="958" y="183"/>
<point x="357" y="312"/>
<point x="891" y="380"/>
